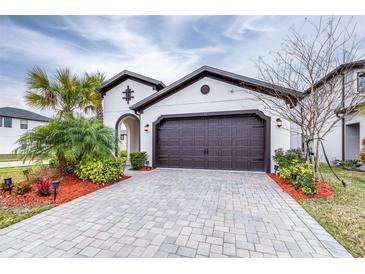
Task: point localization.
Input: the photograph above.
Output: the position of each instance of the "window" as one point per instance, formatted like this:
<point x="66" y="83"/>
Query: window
<point x="24" y="124"/>
<point x="8" y="122"/>
<point x="361" y="82"/>
<point x="1" y="121"/>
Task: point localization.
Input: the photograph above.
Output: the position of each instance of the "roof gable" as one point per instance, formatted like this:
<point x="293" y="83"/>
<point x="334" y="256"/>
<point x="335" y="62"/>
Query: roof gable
<point x="22" y="114"/>
<point x="206" y="71"/>
<point x="126" y="74"/>
<point x="336" y="72"/>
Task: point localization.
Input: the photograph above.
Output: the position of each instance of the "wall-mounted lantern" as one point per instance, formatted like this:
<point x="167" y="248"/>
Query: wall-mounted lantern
<point x="146" y="127"/>
<point x="279" y="123"/>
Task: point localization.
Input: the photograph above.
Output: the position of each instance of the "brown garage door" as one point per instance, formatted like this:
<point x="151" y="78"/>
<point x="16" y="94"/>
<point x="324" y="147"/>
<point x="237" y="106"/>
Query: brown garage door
<point x="221" y="142"/>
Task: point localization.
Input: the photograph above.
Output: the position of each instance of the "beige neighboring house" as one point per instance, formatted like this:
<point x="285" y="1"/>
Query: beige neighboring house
<point x="13" y="123"/>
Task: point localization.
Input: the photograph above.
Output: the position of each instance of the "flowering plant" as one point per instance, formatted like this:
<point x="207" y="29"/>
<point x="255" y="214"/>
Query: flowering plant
<point x="44" y="187"/>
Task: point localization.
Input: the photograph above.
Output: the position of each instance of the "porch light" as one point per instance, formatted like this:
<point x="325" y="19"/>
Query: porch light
<point x="8" y="184"/>
<point x="279" y="123"/>
<point x="146" y="127"/>
<point x="55" y="185"/>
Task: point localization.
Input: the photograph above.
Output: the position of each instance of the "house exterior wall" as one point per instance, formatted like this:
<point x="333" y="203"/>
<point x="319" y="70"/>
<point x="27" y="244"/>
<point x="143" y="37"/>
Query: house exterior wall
<point x="333" y="140"/>
<point x="9" y="136"/>
<point x="113" y="104"/>
<point x="220" y="98"/>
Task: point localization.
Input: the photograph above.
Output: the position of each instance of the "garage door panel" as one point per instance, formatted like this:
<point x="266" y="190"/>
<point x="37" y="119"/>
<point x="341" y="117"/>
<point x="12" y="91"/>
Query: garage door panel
<point x="222" y="142"/>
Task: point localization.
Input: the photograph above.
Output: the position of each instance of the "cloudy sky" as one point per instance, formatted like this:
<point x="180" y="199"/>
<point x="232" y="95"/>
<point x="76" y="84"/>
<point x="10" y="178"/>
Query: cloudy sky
<point x="161" y="47"/>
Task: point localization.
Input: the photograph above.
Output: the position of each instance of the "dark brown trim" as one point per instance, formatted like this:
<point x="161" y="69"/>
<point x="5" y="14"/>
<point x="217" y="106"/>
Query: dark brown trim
<point x="116" y="130"/>
<point x="257" y="112"/>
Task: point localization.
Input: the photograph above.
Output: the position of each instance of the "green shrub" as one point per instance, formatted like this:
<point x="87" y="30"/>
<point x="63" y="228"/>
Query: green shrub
<point x="101" y="171"/>
<point x="308" y="184"/>
<point x="124" y="153"/>
<point x="285" y="173"/>
<point x="70" y="165"/>
<point x="285" y="158"/>
<point x="22" y="188"/>
<point x="138" y="159"/>
<point x="303" y="170"/>
<point x="350" y="164"/>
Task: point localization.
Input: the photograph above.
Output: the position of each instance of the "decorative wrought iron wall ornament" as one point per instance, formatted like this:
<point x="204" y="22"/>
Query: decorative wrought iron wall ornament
<point x="128" y="94"/>
<point x="205" y="89"/>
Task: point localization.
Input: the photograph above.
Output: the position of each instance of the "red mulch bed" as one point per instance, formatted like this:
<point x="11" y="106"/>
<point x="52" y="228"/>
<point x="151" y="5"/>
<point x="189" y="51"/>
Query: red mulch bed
<point x="145" y="168"/>
<point x="70" y="188"/>
<point x="323" y="189"/>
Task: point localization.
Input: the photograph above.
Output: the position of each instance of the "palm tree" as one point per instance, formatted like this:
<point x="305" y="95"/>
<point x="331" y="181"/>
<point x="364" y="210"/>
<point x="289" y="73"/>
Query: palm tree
<point x="65" y="92"/>
<point x="92" y="98"/>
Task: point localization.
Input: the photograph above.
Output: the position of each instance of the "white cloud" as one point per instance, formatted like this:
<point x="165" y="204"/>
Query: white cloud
<point x="126" y="43"/>
<point x="130" y="50"/>
<point x="244" y="25"/>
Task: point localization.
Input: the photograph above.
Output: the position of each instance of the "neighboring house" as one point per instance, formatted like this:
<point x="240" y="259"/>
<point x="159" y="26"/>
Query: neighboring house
<point x="344" y="141"/>
<point x="208" y="119"/>
<point x="13" y="123"/>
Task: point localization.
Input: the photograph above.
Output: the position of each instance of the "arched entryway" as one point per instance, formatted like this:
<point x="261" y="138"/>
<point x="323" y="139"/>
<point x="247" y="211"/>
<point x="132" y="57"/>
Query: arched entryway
<point x="127" y="133"/>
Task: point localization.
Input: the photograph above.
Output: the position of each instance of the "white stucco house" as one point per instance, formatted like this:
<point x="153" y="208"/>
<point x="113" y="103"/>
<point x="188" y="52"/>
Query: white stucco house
<point x="13" y="123"/>
<point x="211" y="119"/>
<point x="208" y="119"/>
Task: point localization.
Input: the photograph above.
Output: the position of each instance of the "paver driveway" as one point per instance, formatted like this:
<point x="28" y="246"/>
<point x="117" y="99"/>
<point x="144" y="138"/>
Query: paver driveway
<point x="175" y="213"/>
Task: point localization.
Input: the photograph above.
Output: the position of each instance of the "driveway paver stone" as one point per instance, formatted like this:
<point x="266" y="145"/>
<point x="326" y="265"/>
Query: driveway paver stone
<point x="175" y="213"/>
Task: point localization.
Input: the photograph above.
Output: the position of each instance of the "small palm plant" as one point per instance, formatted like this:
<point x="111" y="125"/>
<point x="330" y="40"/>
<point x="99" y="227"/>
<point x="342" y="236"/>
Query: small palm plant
<point x="64" y="92"/>
<point x="84" y="138"/>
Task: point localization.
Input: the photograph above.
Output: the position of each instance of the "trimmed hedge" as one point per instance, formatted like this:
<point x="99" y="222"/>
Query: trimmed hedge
<point x="138" y="159"/>
<point x="102" y="171"/>
<point x="292" y="162"/>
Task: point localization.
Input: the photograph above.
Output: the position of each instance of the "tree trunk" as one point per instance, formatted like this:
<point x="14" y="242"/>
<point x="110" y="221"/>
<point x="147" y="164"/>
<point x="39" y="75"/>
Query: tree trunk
<point x="316" y="158"/>
<point x="99" y="113"/>
<point x="63" y="162"/>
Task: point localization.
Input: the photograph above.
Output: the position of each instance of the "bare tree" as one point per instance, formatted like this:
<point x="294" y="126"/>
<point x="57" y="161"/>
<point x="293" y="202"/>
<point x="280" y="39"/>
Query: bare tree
<point x="314" y="60"/>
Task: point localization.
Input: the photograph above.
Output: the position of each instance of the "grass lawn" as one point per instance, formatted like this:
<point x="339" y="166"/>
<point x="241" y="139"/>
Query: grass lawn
<point x="9" y="216"/>
<point x="342" y="215"/>
<point x="15" y="172"/>
<point x="9" y="157"/>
